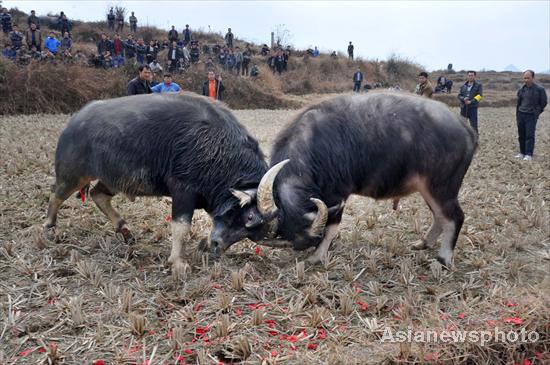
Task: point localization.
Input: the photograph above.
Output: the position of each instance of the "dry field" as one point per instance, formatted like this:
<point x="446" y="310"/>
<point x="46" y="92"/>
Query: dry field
<point x="85" y="297"/>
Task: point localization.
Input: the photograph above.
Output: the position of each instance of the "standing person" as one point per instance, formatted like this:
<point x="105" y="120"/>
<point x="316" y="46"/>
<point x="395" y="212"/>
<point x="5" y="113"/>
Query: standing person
<point x="316" y="52"/>
<point x="357" y="80"/>
<point x="350" y="51"/>
<point x="229" y="38"/>
<point x="424" y="86"/>
<point x="532" y="100"/>
<point x="142" y="83"/>
<point x="213" y="88"/>
<point x="246" y="62"/>
<point x="64" y="24"/>
<point x="151" y="53"/>
<point x="133" y="23"/>
<point x="118" y="51"/>
<point x="174" y="55"/>
<point x="33" y="19"/>
<point x="470" y="95"/>
<point x="230" y="60"/>
<point x="34" y="38"/>
<point x="173" y="35"/>
<point x="130" y="48"/>
<point x="141" y="51"/>
<point x="167" y="86"/>
<point x="6" y="21"/>
<point x="279" y="61"/>
<point x="238" y="60"/>
<point x="186" y="35"/>
<point x="120" y="21"/>
<point x="16" y="37"/>
<point x="111" y="19"/>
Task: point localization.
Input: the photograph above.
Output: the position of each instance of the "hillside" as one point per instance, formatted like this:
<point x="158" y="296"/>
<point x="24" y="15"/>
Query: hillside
<point x="58" y="87"/>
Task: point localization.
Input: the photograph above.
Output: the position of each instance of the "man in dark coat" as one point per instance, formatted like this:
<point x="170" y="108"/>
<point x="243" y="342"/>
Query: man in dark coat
<point x="33" y="19"/>
<point x="111" y="19"/>
<point x="532" y="100"/>
<point x="133" y="23"/>
<point x="142" y="83"/>
<point x="186" y="35"/>
<point x="5" y="18"/>
<point x="350" y="51"/>
<point x="173" y="35"/>
<point x="470" y="95"/>
<point x="357" y="80"/>
<point x="213" y="88"/>
<point x="229" y="38"/>
<point x="104" y="45"/>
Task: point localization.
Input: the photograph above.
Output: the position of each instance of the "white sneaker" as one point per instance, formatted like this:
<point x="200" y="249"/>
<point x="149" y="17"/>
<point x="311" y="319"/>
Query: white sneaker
<point x="527" y="158"/>
<point x="519" y="155"/>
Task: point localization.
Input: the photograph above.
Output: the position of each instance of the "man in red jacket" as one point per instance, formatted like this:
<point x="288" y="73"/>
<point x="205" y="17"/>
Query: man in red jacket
<point x="118" y="49"/>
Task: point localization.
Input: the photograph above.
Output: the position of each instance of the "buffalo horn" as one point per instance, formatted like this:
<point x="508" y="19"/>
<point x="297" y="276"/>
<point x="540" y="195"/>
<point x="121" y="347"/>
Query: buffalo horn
<point x="320" y="221"/>
<point x="266" y="202"/>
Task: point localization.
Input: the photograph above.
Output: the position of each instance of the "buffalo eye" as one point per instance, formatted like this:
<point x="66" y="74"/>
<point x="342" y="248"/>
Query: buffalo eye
<point x="250" y="217"/>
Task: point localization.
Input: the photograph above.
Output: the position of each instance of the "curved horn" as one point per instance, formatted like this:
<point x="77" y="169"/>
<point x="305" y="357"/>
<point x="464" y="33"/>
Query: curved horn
<point x="266" y="202"/>
<point x="318" y="226"/>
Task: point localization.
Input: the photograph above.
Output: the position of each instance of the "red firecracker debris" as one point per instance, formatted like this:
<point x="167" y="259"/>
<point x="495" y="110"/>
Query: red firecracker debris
<point x="514" y="320"/>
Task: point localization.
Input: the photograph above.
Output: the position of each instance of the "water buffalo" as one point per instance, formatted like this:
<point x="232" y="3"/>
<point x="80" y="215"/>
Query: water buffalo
<point x="385" y="146"/>
<point x="183" y="146"/>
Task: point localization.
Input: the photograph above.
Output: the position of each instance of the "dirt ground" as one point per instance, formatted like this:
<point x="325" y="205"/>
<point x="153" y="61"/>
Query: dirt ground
<point x="83" y="297"/>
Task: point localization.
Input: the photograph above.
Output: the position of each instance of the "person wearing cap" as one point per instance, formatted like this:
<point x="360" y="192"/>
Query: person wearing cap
<point x="470" y="95"/>
<point x="167" y="86"/>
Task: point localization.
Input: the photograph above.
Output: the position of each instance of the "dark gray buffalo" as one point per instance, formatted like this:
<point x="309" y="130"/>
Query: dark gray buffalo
<point x="185" y="147"/>
<point x="384" y="146"/>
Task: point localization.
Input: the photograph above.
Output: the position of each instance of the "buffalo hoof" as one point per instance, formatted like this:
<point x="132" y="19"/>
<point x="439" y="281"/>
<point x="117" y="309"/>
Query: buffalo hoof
<point x="178" y="269"/>
<point x="126" y="235"/>
<point x="312" y="260"/>
<point x="420" y="245"/>
<point x="49" y="231"/>
<point x="446" y="263"/>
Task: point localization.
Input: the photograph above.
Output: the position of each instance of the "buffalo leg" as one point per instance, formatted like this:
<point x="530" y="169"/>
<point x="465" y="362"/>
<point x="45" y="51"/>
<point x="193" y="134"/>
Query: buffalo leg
<point x="62" y="191"/>
<point x="183" y="205"/>
<point x="438" y="218"/>
<point x="321" y="251"/>
<point x="102" y="196"/>
<point x="452" y="223"/>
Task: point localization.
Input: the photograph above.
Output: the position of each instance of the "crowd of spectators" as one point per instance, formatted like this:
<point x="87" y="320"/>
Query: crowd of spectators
<point x="22" y="47"/>
<point x="175" y="53"/>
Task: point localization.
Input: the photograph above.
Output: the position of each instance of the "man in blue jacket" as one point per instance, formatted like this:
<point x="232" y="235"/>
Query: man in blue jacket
<point x="532" y="100"/>
<point x="52" y="43"/>
<point x="470" y="95"/>
<point x="167" y="86"/>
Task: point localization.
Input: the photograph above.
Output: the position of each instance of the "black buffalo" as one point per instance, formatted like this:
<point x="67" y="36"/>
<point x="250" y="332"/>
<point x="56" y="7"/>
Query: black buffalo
<point x="385" y="145"/>
<point x="183" y="146"/>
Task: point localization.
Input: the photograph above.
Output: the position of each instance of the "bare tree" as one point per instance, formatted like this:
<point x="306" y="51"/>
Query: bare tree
<point x="282" y="35"/>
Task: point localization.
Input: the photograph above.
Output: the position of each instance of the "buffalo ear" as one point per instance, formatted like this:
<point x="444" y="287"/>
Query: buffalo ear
<point x="245" y="197"/>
